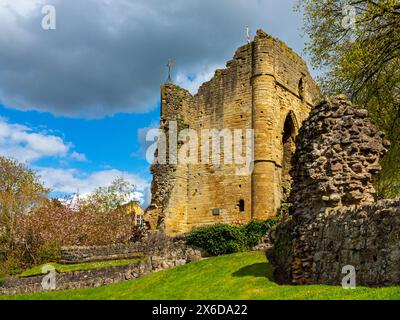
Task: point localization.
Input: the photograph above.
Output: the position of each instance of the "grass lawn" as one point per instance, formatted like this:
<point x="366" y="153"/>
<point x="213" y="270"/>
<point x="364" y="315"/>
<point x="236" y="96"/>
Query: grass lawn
<point x="237" y="276"/>
<point x="37" y="270"/>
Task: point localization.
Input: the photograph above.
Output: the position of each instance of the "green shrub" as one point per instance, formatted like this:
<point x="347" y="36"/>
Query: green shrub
<point x="11" y="266"/>
<point x="255" y="230"/>
<point x="19" y="258"/>
<point x="48" y="252"/>
<point x="221" y="239"/>
<point x="2" y="256"/>
<point x="218" y="239"/>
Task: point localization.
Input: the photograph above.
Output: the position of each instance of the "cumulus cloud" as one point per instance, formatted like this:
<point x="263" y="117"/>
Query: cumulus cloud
<point x="110" y="56"/>
<point x="27" y="145"/>
<point x="20" y="7"/>
<point x="79" y="156"/>
<point x="192" y="82"/>
<point x="70" y="181"/>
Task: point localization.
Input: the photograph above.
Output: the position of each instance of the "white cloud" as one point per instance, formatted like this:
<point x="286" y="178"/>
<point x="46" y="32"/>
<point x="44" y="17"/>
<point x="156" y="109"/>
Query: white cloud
<point x="79" y="156"/>
<point x="26" y="145"/>
<point x="69" y="181"/>
<point x="192" y="83"/>
<point x="20" y="7"/>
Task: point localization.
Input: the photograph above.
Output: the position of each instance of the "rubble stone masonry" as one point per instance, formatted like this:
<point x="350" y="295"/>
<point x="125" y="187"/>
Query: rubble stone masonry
<point x="335" y="221"/>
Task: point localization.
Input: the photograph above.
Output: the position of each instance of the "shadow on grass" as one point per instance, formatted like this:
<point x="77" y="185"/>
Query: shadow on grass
<point x="258" y="270"/>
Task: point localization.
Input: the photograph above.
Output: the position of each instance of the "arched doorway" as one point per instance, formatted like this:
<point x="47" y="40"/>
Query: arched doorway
<point x="288" y="147"/>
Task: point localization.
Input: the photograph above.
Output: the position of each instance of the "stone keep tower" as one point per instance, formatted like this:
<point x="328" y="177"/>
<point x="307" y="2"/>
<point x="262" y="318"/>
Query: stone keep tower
<point x="265" y="87"/>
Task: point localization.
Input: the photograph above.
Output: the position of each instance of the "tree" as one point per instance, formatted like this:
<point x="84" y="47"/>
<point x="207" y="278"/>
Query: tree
<point x="356" y="43"/>
<point x="20" y="191"/>
<point x="109" y="198"/>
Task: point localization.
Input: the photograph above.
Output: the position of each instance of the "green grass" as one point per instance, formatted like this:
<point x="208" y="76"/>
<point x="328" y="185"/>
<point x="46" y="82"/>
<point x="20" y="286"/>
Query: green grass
<point x="37" y="270"/>
<point x="237" y="276"/>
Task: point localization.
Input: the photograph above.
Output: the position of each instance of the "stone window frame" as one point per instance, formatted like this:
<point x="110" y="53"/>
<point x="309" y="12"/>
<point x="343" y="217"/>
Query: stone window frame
<point x="216" y="212"/>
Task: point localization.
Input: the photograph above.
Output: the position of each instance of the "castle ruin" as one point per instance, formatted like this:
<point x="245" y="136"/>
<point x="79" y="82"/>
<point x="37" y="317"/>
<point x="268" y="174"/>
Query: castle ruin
<point x="336" y="225"/>
<point x="265" y="87"/>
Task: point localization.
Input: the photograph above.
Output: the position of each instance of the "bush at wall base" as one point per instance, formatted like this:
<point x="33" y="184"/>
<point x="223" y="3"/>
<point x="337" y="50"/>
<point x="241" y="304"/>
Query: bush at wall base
<point x="221" y="239"/>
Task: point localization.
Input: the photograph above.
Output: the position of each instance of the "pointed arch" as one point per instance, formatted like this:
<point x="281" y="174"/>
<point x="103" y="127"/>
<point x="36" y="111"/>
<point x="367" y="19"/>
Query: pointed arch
<point x="290" y="126"/>
<point x="289" y="131"/>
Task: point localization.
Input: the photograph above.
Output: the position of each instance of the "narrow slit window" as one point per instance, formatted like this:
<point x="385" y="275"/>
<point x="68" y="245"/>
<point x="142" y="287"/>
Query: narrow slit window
<point x="301" y="88"/>
<point x="241" y="205"/>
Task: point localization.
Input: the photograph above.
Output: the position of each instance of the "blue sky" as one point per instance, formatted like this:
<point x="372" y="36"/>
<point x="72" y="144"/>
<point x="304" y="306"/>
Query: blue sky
<point x="75" y="101"/>
<point x="112" y="141"/>
<point x="110" y="144"/>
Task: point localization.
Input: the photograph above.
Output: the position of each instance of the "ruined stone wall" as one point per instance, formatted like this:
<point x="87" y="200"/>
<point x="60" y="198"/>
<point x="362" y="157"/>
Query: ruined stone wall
<point x="170" y="180"/>
<point x="366" y="237"/>
<point x="262" y="85"/>
<point x="78" y="279"/>
<point x="335" y="221"/>
<point x="83" y="254"/>
<point x="159" y="253"/>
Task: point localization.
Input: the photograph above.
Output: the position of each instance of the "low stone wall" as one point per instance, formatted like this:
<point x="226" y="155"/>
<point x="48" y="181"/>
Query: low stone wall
<point x="78" y="279"/>
<point x="74" y="254"/>
<point x="161" y="253"/>
<point x="367" y="238"/>
<point x="263" y="244"/>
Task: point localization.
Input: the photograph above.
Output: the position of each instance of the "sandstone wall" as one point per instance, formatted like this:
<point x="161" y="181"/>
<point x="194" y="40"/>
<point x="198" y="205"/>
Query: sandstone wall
<point x="264" y="83"/>
<point x="334" y="221"/>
